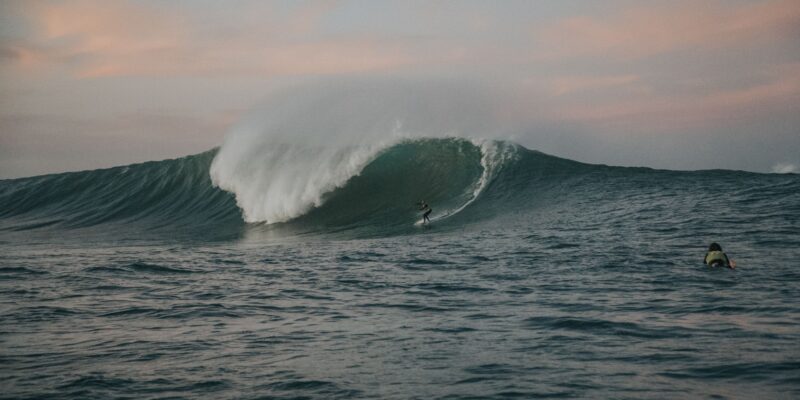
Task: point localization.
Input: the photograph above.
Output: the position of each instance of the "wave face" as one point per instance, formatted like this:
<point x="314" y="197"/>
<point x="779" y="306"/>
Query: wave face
<point x="370" y="191"/>
<point x="449" y="174"/>
<point x="160" y="194"/>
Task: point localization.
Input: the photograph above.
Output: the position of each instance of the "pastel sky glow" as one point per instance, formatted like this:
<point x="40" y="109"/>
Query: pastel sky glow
<point x="666" y="84"/>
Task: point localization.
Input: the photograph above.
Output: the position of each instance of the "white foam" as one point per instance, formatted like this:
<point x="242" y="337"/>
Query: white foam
<point x="785" y="168"/>
<point x="494" y="154"/>
<point x="281" y="159"/>
<point x="276" y="183"/>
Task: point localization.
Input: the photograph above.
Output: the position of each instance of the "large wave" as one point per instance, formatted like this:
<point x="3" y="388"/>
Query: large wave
<point x="278" y="183"/>
<point x="352" y="156"/>
<point x="311" y="187"/>
<point x="367" y="192"/>
<point x="282" y="159"/>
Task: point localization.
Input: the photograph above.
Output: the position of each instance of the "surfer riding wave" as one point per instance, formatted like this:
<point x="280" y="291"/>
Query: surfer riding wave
<point x="426" y="209"/>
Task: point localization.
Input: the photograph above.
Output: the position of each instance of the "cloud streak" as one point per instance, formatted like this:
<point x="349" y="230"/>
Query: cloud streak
<point x="780" y="92"/>
<point x="110" y="39"/>
<point x="648" y="29"/>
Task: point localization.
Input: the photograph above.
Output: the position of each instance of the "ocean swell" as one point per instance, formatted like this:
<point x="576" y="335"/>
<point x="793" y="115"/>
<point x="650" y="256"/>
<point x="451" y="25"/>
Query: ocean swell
<point x="365" y="190"/>
<point x="169" y="194"/>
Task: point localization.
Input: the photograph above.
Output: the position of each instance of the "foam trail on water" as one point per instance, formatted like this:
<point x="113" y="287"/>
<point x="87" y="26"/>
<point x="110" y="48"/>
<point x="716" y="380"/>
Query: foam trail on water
<point x="494" y="155"/>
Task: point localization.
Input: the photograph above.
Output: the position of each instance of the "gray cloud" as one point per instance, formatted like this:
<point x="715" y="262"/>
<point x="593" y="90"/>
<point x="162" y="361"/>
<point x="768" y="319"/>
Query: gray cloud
<point x="661" y="84"/>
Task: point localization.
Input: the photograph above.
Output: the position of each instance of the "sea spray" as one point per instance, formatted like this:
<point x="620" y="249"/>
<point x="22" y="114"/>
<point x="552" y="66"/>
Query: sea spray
<point x="278" y="182"/>
<point x="282" y="158"/>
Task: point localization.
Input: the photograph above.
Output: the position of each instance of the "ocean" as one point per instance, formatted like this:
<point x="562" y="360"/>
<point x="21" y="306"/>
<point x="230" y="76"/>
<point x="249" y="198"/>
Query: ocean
<point x="302" y="273"/>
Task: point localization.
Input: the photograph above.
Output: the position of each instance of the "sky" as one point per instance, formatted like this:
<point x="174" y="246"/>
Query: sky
<point x="677" y="84"/>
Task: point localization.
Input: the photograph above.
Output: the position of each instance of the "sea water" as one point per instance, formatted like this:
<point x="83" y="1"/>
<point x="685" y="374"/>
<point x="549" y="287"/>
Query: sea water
<point x="539" y="277"/>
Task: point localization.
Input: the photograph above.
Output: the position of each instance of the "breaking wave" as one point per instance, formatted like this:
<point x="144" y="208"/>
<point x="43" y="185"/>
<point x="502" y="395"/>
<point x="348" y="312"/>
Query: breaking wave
<point x="371" y="190"/>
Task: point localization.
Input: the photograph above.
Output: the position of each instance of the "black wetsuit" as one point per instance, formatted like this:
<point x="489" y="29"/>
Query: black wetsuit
<point x="428" y="212"/>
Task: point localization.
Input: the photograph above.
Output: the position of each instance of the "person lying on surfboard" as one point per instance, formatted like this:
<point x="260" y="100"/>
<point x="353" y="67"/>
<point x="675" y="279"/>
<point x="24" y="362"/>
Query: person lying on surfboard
<point x="423" y="206"/>
<point x="716" y="258"/>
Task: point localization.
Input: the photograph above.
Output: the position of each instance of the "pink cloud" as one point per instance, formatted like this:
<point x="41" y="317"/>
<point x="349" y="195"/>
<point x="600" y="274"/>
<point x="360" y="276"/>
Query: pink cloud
<point x="133" y="39"/>
<point x="563" y="85"/>
<point x="107" y="29"/>
<point x="306" y="19"/>
<point x="780" y="93"/>
<point x="646" y="30"/>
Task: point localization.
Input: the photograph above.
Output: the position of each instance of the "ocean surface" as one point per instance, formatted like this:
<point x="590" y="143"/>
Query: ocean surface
<point x="303" y="273"/>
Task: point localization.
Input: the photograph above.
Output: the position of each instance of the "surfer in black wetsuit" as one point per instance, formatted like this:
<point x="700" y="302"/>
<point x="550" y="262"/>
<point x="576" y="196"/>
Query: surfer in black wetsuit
<point x="716" y="258"/>
<point x="423" y="206"/>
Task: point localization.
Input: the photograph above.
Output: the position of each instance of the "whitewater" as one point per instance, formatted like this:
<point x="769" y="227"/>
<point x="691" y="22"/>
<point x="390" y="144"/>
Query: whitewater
<point x="286" y="264"/>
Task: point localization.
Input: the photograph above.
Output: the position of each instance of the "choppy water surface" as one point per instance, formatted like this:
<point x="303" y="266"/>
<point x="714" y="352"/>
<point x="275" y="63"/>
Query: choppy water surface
<point x="558" y="279"/>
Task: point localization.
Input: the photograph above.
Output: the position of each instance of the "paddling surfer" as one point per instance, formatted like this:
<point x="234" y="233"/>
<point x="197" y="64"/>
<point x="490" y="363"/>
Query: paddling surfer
<point x="716" y="258"/>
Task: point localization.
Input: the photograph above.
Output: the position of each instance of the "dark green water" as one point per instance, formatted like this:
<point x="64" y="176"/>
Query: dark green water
<point x="539" y="277"/>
